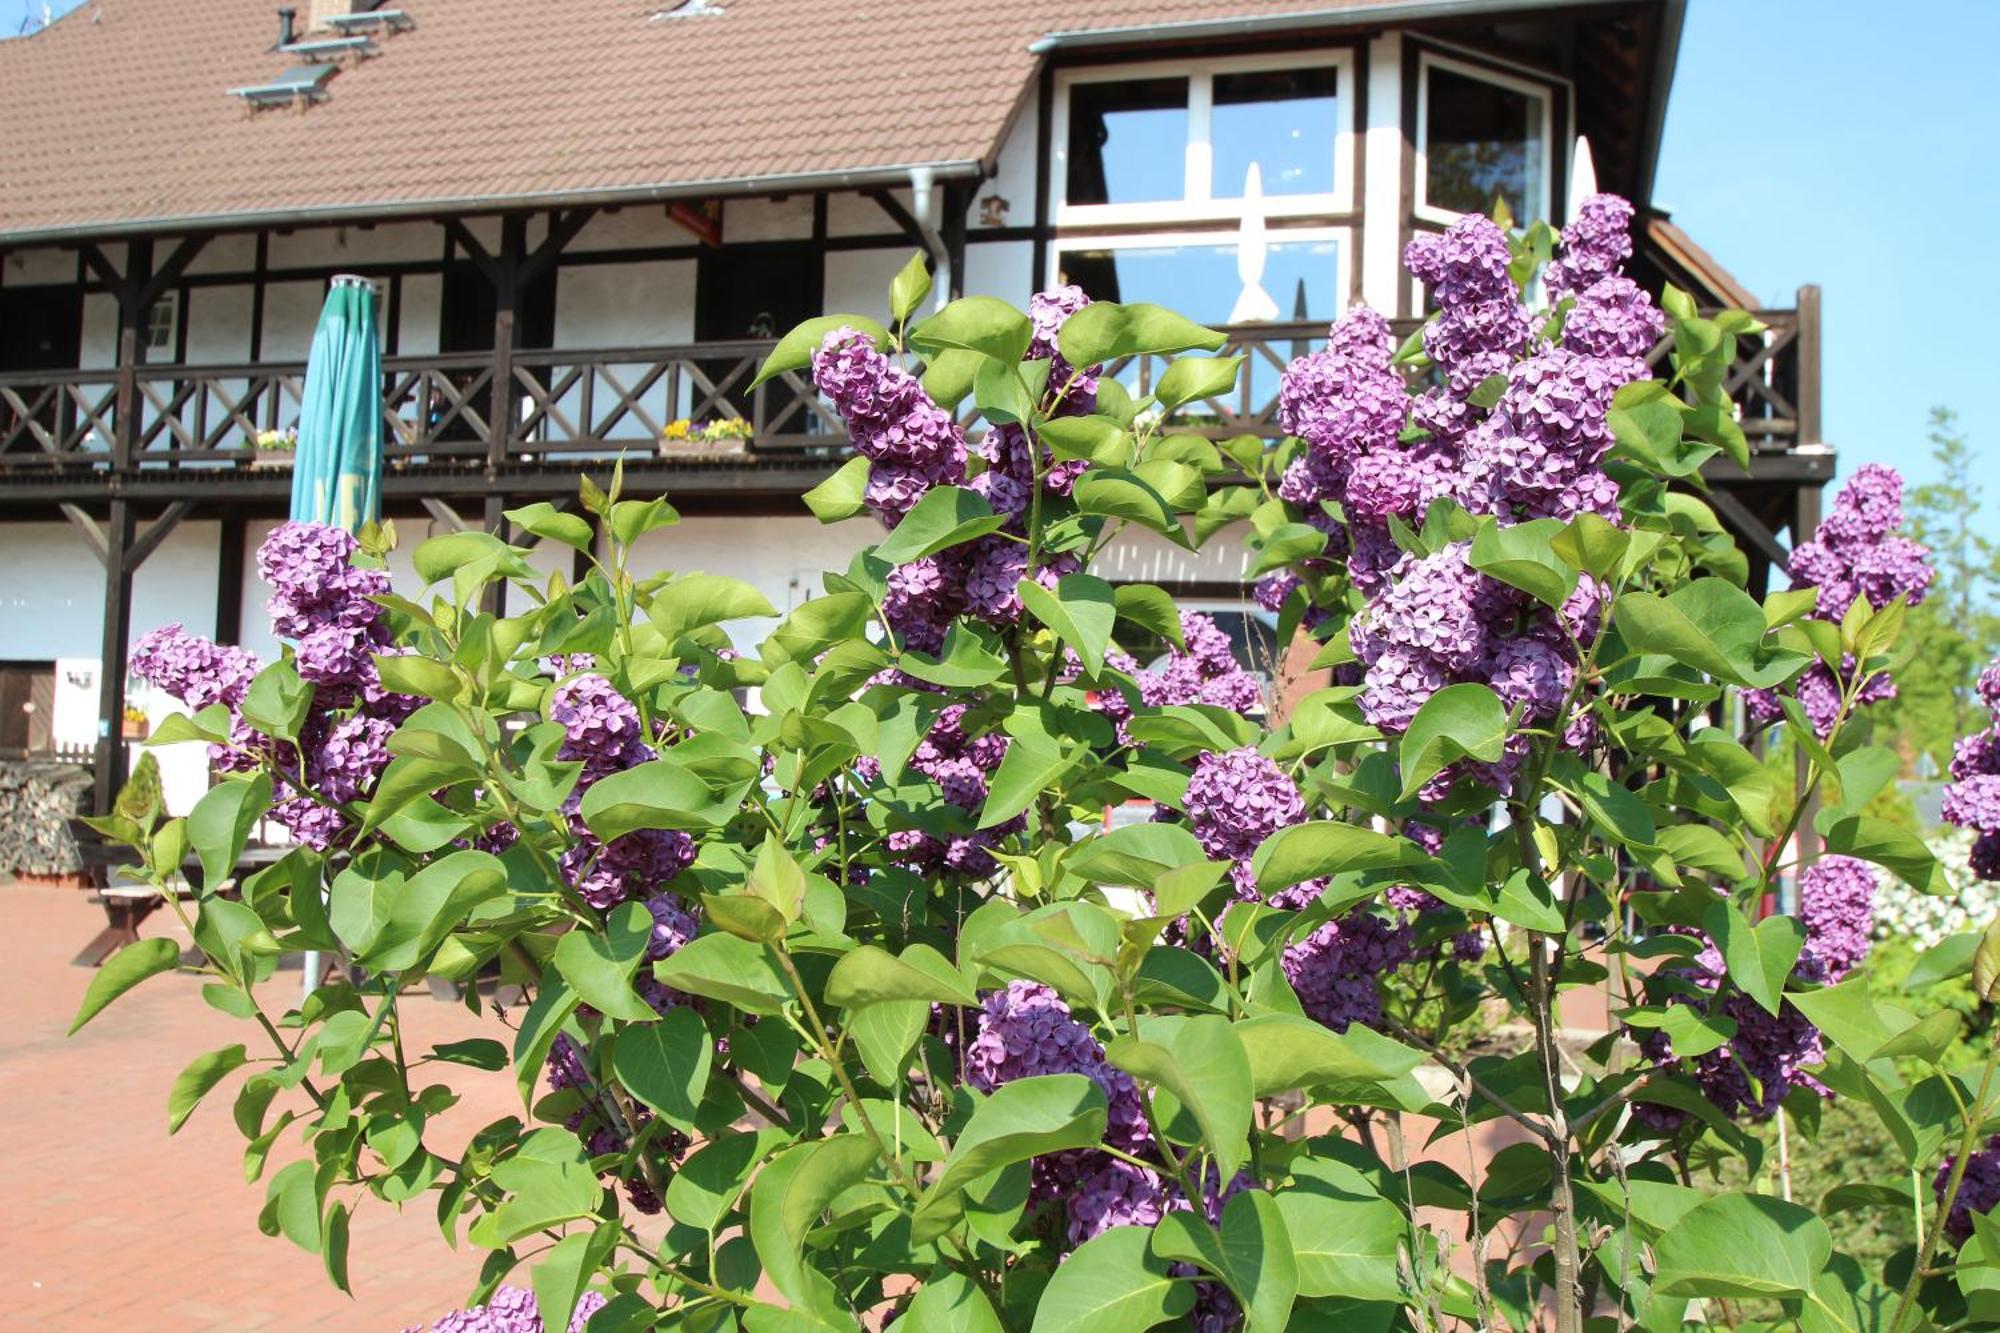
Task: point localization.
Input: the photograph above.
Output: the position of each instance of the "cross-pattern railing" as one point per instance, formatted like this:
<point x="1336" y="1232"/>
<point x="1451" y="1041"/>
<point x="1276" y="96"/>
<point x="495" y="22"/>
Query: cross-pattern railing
<point x="440" y="410"/>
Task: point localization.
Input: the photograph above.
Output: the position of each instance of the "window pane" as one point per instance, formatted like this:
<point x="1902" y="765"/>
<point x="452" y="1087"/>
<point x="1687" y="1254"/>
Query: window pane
<point x="1202" y="282"/>
<point x="1483" y="141"/>
<point x="1285" y="120"/>
<point x="1128" y="141"/>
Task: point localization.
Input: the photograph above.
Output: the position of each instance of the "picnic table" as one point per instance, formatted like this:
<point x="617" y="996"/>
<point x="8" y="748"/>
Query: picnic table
<point x="128" y="901"/>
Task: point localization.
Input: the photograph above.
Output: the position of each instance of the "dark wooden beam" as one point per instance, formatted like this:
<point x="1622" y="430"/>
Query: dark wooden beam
<point x="92" y="530"/>
<point x="899" y="215"/>
<point x="169" y="273"/>
<point x="461" y="236"/>
<point x="504" y="402"/>
<point x="229" y="561"/>
<point x="1747" y="525"/>
<point x="117" y="627"/>
<point x="958" y="197"/>
<point x="1809" y="370"/>
<point x="563" y="228"/>
<point x="160" y="529"/>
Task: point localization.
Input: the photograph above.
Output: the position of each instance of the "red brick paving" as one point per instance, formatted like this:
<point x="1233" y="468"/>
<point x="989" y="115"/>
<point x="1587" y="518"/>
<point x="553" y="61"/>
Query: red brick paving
<point x="105" y="1221"/>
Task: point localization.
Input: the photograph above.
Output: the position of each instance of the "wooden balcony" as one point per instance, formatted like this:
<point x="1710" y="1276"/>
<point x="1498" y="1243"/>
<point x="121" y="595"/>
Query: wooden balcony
<point x="169" y="431"/>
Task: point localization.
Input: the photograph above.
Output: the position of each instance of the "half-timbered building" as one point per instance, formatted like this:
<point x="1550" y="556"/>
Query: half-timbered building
<point x="587" y="221"/>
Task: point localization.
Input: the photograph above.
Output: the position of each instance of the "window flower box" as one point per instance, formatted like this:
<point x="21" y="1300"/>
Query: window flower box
<point x="726" y="438"/>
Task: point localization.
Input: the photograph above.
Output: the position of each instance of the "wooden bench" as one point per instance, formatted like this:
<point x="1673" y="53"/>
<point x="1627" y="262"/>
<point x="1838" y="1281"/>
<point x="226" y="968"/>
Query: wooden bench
<point x="127" y="901"/>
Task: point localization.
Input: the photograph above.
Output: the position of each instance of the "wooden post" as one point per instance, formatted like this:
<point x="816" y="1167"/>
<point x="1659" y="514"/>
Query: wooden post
<point x="1809" y="377"/>
<point x="495" y="522"/>
<point x="229" y="579"/>
<point x="506" y="288"/>
<point x="957" y="199"/>
<point x="118" y="534"/>
<point x="133" y="310"/>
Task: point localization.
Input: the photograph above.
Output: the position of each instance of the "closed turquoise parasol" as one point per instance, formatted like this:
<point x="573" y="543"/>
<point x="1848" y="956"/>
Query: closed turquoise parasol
<point x="337" y="469"/>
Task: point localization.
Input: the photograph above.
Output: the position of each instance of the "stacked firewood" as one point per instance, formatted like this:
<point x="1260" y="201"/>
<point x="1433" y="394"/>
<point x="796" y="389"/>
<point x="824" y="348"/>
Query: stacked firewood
<point x="38" y="798"/>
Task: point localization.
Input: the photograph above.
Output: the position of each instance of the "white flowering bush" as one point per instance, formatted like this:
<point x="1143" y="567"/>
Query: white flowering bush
<point x="1927" y="920"/>
<point x="857" y="1008"/>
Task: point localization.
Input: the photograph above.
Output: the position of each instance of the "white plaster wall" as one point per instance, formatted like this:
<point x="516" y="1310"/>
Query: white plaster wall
<point x="234" y="253"/>
<point x="1382" y="209"/>
<point x="782" y="556"/>
<point x="789" y="219"/>
<point x="291" y="313"/>
<point x="857" y="281"/>
<point x="639" y="225"/>
<point x="218" y="324"/>
<point x="217" y="320"/>
<point x="99" y="347"/>
<point x="40" y="266"/>
<point x="418" y="315"/>
<point x="849" y="214"/>
<point x="1013" y="177"/>
<point x="1005" y="269"/>
<point x="318" y="246"/>
<point x="627" y="305"/>
<point x="52" y="600"/>
<point x="1140" y="556"/>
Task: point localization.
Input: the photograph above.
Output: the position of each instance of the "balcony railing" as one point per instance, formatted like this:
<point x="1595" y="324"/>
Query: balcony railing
<point x="565" y="406"/>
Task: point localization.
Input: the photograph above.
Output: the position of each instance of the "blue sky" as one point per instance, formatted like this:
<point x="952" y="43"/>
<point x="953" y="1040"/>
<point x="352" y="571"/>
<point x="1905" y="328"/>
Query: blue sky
<point x="1851" y="145"/>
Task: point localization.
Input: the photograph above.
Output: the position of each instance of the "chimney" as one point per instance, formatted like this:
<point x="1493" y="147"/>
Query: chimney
<point x="322" y="10"/>
<point x="287" y="26"/>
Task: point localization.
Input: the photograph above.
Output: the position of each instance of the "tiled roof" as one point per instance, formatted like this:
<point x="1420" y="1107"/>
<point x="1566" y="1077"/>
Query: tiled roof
<point x="117" y="116"/>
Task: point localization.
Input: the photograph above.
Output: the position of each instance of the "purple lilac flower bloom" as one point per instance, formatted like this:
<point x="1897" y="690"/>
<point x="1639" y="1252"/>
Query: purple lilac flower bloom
<point x="1538" y="453"/>
<point x="1336" y="970"/>
<point x="344" y="765"/>
<point x="1976" y="754"/>
<point x="1978" y="1190"/>
<point x="1533" y="673"/>
<point x="1616" y="320"/>
<point x="632" y="866"/>
<point x="1025" y="1029"/>
<point x="1114" y="1193"/>
<point x="673" y="926"/>
<point x="316" y="826"/>
<point x="512" y="1310"/>
<point x="1345" y="398"/>
<point x="1837" y="908"/>
<point x="1274" y="590"/>
<point x="600" y="727"/>
<point x="1856" y="552"/>
<point x="911" y="443"/>
<point x="1237" y="799"/>
<point x="1435" y="607"/>
<point x="1593" y="246"/>
<point x="1973" y="803"/>
<point x="192" y="669"/>
<point x="1984" y="859"/>
<point x="1773" y="1049"/>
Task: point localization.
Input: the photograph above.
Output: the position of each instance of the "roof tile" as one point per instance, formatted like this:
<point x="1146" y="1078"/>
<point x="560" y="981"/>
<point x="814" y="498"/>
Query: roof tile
<point x="117" y="115"/>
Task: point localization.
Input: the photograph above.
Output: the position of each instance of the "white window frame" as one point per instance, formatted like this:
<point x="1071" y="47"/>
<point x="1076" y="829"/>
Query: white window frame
<point x="1543" y="89"/>
<point x="1197" y="201"/>
<point x="1163" y="240"/>
<point x="163" y="322"/>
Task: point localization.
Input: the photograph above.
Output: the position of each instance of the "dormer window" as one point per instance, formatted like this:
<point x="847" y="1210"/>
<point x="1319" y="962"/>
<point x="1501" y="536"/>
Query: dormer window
<point x="1482" y="135"/>
<point x="1186" y="140"/>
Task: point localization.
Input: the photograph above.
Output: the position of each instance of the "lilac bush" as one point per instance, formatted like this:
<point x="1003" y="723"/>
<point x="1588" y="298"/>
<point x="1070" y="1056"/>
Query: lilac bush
<point x="1024" y="959"/>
